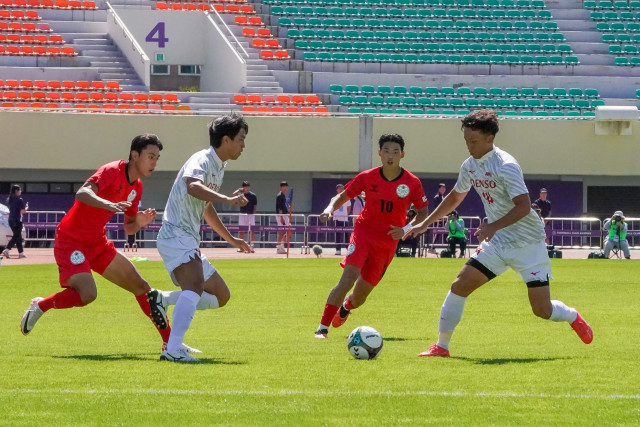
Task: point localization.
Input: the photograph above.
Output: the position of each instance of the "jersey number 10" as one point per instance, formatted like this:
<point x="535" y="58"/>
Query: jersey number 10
<point x="386" y="206"/>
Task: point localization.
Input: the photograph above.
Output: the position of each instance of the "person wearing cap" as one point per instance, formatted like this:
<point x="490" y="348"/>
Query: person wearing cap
<point x="341" y="219"/>
<point x="437" y="199"/>
<point x="282" y="209"/>
<point x="616" y="227"/>
<point x="248" y="211"/>
<point x="543" y="204"/>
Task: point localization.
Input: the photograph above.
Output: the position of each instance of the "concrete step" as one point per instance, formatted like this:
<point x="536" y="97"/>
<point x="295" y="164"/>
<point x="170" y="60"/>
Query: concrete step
<point x="267" y="78"/>
<point x="263" y="73"/>
<point x="210" y="100"/>
<point x="90" y="42"/>
<point x="258" y="89"/>
<point x="96" y="53"/>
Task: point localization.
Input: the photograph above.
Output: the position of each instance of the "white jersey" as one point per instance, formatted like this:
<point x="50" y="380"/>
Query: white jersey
<point x="497" y="178"/>
<point x="183" y="213"/>
<point x="342" y="213"/>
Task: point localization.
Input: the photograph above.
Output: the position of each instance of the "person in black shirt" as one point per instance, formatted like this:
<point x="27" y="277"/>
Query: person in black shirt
<point x="544" y="204"/>
<point x="282" y="209"/>
<point x="248" y="211"/>
<point x="17" y="207"/>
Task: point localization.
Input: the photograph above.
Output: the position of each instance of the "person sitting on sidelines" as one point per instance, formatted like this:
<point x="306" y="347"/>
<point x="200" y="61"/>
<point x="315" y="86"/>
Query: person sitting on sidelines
<point x="457" y="234"/>
<point x="616" y="227"/>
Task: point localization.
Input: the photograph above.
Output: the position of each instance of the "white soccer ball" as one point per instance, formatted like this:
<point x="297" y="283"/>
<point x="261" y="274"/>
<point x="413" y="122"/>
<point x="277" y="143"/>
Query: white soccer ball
<point x="364" y="342"/>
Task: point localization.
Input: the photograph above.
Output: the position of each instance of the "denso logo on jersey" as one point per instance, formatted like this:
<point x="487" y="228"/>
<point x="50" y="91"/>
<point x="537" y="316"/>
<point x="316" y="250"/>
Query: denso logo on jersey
<point x="483" y="183"/>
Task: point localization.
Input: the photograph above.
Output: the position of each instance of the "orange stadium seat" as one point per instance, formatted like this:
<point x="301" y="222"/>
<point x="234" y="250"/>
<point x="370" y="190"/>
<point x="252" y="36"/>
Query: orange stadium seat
<point x="322" y="110"/>
<point x="312" y="99"/>
<point x="40" y="84"/>
<point x="95" y="97"/>
<point x="266" y="54"/>
<point x="83" y="85"/>
<point x="16" y="26"/>
<point x="97" y="85"/>
<point x="248" y="32"/>
<point x="184" y="108"/>
<point x="16" y="14"/>
<point x="68" y="85"/>
<point x="54" y="85"/>
<point x="12" y="84"/>
<point x="259" y="43"/>
<point x="124" y="106"/>
<point x="7" y="105"/>
<point x="272" y="43"/>
<point x="190" y="7"/>
<point x="126" y="97"/>
<point x="24" y="96"/>
<point x="81" y="97"/>
<point x="53" y="96"/>
<point x="33" y="3"/>
<point x="112" y="86"/>
<point x="247" y="9"/>
<point x="277" y="110"/>
<point x="94" y="107"/>
<point x="175" y="6"/>
<point x="40" y="39"/>
<point x="47" y="4"/>
<point x="1" y="84"/>
<point x="254" y="99"/>
<point x="108" y="106"/>
<point x="168" y="108"/>
<point x="162" y="6"/>
<point x="22" y="105"/>
<point x="26" y="84"/>
<point x="67" y="96"/>
<point x="61" y="4"/>
<point x="232" y="8"/>
<point x="26" y="50"/>
<point x="68" y="51"/>
<point x="248" y="109"/>
<point x="141" y="97"/>
<point x="218" y="8"/>
<point x="52" y="105"/>
<point x="297" y="99"/>
<point x="255" y="20"/>
<point x="19" y="3"/>
<point x="239" y="99"/>
<point x="262" y="109"/>
<point x="27" y="40"/>
<point x="171" y="97"/>
<point x="111" y="97"/>
<point x="155" y="98"/>
<point x="89" y="5"/>
<point x="240" y="20"/>
<point x="53" y="51"/>
<point x="264" y="32"/>
<point x="204" y="7"/>
<point x="9" y="95"/>
<point x="283" y="99"/>
<point x="282" y="54"/>
<point x="32" y="15"/>
<point x="38" y="95"/>
<point x="12" y="50"/>
<point x="291" y="110"/>
<point x="37" y="105"/>
<point x="268" y="99"/>
<point x="75" y="4"/>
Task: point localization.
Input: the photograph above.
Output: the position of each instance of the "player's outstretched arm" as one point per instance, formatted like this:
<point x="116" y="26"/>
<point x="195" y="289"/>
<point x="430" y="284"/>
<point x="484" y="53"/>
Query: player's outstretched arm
<point x="449" y="203"/>
<point x="197" y="189"/>
<point x="211" y="217"/>
<point x="88" y="194"/>
<point x="336" y="201"/>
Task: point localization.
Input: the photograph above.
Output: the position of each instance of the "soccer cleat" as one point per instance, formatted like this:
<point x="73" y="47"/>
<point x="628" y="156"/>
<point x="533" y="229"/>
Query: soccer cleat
<point x="31" y="316"/>
<point x="22" y="255"/>
<point x="321" y="333"/>
<point x="338" y="320"/>
<point x="252" y="249"/>
<point x="6" y="253"/>
<point x="184" y="347"/>
<point x="158" y="308"/>
<point x="583" y="329"/>
<point x="281" y="251"/>
<point x="435" y="350"/>
<point x="180" y="356"/>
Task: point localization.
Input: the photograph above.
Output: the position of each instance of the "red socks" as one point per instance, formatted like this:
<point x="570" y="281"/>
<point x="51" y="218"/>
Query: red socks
<point x="66" y="299"/>
<point x="327" y="315"/>
<point x="347" y="304"/>
<point x="143" y="301"/>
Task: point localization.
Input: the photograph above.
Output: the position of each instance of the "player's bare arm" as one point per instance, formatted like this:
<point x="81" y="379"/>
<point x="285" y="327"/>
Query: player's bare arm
<point x="398" y="233"/>
<point x="520" y="210"/>
<point x="213" y="220"/>
<point x="197" y="189"/>
<point x="88" y="194"/>
<point x="134" y="223"/>
<point x="449" y="203"/>
<point x="336" y="201"/>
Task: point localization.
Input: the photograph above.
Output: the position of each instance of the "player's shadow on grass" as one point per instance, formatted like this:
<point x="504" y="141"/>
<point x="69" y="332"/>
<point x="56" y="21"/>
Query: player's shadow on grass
<point x="506" y="361"/>
<point x="118" y="357"/>
<point x="395" y="339"/>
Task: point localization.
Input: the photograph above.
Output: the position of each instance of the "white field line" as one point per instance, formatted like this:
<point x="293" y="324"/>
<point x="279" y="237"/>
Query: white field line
<point x="314" y="393"/>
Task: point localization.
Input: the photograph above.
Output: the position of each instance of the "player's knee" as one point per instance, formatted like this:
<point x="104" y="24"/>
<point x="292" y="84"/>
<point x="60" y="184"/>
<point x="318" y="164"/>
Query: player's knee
<point x="88" y="295"/>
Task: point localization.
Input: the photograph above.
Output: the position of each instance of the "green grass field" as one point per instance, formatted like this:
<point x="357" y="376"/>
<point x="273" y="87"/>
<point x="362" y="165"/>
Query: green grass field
<point x="98" y="365"/>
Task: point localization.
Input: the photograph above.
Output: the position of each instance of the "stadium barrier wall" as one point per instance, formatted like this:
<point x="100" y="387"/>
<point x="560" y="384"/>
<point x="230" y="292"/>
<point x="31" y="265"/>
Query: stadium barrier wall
<point x="126" y="41"/>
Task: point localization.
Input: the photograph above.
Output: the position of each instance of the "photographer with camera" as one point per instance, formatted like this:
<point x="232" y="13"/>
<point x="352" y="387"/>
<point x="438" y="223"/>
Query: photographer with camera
<point x="617" y="229"/>
<point x="457" y="234"/>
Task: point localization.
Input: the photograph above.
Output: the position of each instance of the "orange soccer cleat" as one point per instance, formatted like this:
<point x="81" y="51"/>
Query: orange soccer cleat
<point x="338" y="320"/>
<point x="583" y="329"/>
<point x="435" y="350"/>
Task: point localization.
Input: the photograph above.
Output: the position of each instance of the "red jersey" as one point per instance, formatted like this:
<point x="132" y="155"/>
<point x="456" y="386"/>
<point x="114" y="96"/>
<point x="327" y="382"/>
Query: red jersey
<point x="386" y="202"/>
<point x="86" y="223"/>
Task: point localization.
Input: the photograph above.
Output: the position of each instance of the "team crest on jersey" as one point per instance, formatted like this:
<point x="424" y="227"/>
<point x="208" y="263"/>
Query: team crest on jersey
<point x="132" y="196"/>
<point x="402" y="190"/>
<point x="351" y="249"/>
<point x="77" y="258"/>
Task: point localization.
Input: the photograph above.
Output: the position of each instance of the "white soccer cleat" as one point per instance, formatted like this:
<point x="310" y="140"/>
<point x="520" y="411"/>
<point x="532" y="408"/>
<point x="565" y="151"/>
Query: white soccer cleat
<point x="6" y="253"/>
<point x="180" y="356"/>
<point x="190" y="350"/>
<point x="31" y="316"/>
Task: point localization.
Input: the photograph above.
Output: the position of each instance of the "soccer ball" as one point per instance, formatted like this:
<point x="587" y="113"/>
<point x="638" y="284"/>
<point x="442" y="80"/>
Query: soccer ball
<point x="364" y="342"/>
<point x="317" y="249"/>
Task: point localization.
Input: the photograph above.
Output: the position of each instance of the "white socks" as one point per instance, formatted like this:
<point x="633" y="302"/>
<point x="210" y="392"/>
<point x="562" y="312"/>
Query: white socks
<point x="182" y="316"/>
<point x="450" y="315"/>
<point x="562" y="313"/>
<point x="206" y="301"/>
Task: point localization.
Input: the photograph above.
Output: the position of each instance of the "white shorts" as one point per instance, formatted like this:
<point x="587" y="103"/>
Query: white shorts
<point x="283" y="219"/>
<point x="531" y="262"/>
<point x="180" y="250"/>
<point x="247" y="219"/>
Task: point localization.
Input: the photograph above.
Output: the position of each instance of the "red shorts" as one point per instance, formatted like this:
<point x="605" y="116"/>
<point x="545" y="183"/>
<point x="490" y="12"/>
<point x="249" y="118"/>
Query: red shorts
<point x="371" y="255"/>
<point x="75" y="257"/>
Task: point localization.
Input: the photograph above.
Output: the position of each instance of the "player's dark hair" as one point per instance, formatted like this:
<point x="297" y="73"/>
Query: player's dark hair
<point x="228" y="125"/>
<point x="485" y="120"/>
<point x="141" y="141"/>
<point x="391" y="137"/>
<point x="14" y="190"/>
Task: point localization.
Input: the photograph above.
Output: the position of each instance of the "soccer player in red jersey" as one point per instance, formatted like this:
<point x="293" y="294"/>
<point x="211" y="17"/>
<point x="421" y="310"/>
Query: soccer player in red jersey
<point x="389" y="191"/>
<point x="81" y="244"/>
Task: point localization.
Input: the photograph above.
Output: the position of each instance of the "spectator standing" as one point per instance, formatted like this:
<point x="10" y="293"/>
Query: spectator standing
<point x="282" y="209"/>
<point x="358" y="204"/>
<point x="341" y="219"/>
<point x="544" y="204"/>
<point x="248" y="211"/>
<point x="17" y="207"/>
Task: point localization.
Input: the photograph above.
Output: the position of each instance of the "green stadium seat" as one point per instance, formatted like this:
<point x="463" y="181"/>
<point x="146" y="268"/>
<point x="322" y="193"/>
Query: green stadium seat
<point x="543" y="92"/>
<point x="411" y="57"/>
<point x="382" y="57"/>
<point x="361" y="100"/>
<point x="615" y="49"/>
<point x="447" y="91"/>
<point x="591" y="93"/>
<point x="345" y="100"/>
<point x="635" y="61"/>
<point x="487" y="103"/>
<point x="457" y="102"/>
<point x="582" y="104"/>
<point x="376" y="100"/>
<point x="527" y="92"/>
<point x="440" y="102"/>
<point x="309" y="56"/>
<point x="386" y="111"/>
<point x="483" y="59"/>
<point x="503" y="103"/>
<point x="416" y="90"/>
<point x="550" y="103"/>
<point x="301" y="44"/>
<point x="496" y="92"/>
<point x="335" y="89"/>
<point x="393" y="101"/>
<point x="526" y="113"/>
<point x="463" y="91"/>
<point x="469" y="59"/>
<point x="480" y="91"/>
<point x="512" y="92"/>
<point x="425" y="58"/>
<point x="416" y="111"/>
<point x="518" y="103"/>
<point x="432" y="91"/>
<point x="354" y="110"/>
<point x="512" y="59"/>
<point x="534" y="103"/>
<point x="424" y="102"/>
<point x="510" y="113"/>
<point x="542" y="113"/>
<point x="597" y="103"/>
<point x="571" y="60"/>
<point x="409" y="101"/>
<point x="370" y="111"/>
<point x="367" y="89"/>
<point x="557" y="113"/>
<point x="384" y="90"/>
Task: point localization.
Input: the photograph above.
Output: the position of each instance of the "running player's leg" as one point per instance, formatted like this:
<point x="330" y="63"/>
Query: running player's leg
<point x="80" y="291"/>
<point x="123" y="273"/>
<point x="349" y="275"/>
<point x="216" y="293"/>
<point x="191" y="280"/>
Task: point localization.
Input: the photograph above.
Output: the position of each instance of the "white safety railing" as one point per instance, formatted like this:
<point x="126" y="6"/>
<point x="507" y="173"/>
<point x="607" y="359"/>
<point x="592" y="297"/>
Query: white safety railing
<point x="577" y="233"/>
<point x="41" y="226"/>
<point x="436" y="234"/>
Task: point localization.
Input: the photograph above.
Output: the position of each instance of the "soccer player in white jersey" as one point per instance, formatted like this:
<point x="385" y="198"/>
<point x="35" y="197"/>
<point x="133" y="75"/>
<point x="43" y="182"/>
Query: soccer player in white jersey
<point x="194" y="191"/>
<point x="513" y="237"/>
